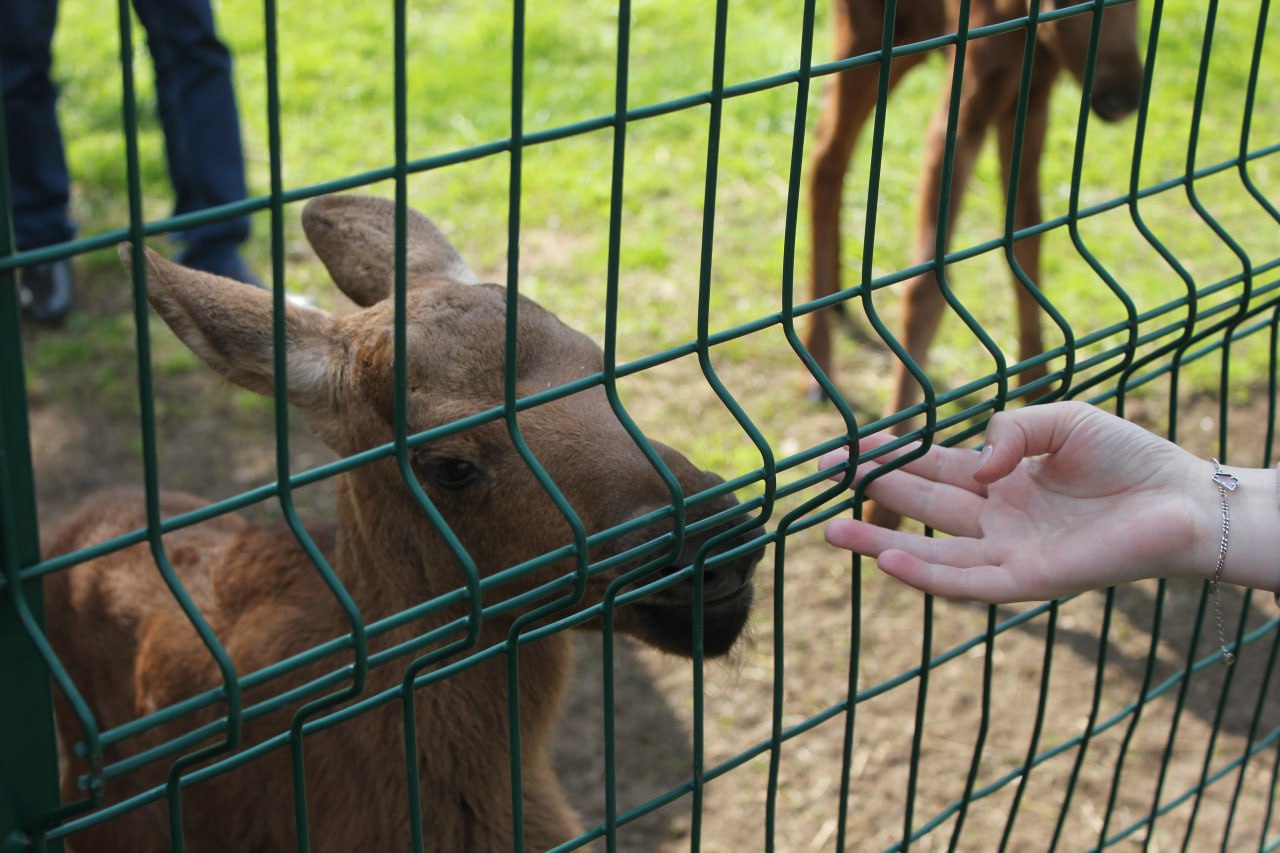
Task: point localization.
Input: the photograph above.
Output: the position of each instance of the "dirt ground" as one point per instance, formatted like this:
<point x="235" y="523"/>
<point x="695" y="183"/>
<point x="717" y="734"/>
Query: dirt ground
<point x="823" y="594"/>
<point x="213" y="443"/>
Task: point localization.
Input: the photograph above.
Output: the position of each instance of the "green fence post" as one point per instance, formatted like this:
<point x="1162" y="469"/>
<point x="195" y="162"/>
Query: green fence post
<point x="28" y="754"/>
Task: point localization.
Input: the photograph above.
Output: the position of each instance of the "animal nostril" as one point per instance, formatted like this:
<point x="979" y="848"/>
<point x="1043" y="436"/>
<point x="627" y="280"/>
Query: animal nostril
<point x="721" y="577"/>
<point x="1115" y="104"/>
<point x="732" y="575"/>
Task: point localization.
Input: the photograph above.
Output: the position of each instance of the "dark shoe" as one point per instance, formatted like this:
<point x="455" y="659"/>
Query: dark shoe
<point x="46" y="294"/>
<point x="228" y="265"/>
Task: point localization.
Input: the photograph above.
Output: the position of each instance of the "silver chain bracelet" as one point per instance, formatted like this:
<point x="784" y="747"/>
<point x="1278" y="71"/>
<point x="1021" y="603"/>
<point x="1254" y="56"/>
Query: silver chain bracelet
<point x="1226" y="482"/>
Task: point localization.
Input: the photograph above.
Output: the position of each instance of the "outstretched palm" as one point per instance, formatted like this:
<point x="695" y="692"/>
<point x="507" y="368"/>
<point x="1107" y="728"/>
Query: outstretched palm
<point x="1066" y="498"/>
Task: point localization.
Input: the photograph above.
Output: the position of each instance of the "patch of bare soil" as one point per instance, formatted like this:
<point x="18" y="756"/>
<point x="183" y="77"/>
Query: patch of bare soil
<point x="825" y="631"/>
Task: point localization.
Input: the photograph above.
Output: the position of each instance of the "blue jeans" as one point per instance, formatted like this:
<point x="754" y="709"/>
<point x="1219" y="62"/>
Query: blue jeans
<point x="197" y="107"/>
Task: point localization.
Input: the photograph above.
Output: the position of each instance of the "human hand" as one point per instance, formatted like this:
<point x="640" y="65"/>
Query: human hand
<point x="1064" y="498"/>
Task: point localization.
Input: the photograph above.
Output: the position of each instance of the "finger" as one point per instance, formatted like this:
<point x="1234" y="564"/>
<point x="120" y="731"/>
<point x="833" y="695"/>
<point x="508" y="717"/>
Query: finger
<point x="841" y="454"/>
<point x="942" y="506"/>
<point x="833" y="458"/>
<point x="869" y="540"/>
<point x="991" y="584"/>
<point x="1014" y="435"/>
<point x="952" y="567"/>
<point x="954" y="466"/>
<point x="859" y="536"/>
<point x="950" y="465"/>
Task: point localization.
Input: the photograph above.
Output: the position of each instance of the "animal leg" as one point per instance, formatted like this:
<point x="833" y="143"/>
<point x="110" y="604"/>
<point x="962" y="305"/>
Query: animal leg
<point x="1027" y="212"/>
<point x="923" y="303"/>
<point x="849" y="100"/>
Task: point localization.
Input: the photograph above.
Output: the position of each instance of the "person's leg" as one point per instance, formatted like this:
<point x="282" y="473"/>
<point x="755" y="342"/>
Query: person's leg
<point x="39" y="183"/>
<point x="38" y="176"/>
<point x="197" y="105"/>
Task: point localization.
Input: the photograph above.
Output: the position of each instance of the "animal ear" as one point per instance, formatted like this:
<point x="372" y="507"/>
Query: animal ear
<point x="228" y="324"/>
<point x="354" y="236"/>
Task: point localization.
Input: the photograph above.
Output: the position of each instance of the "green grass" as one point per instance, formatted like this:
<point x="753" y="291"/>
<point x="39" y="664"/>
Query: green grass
<point x="337" y="120"/>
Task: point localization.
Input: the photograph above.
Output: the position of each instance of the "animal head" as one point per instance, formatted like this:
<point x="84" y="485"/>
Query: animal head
<point x="1117" y="79"/>
<point x="340" y="376"/>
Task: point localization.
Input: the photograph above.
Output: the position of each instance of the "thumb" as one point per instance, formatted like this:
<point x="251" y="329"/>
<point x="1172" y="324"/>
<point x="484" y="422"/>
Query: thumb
<point x="1035" y="430"/>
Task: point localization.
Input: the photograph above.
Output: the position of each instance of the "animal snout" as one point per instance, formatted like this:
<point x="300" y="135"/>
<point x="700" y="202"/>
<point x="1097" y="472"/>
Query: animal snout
<point x="668" y="620"/>
<point x="1113" y="103"/>
<point x="722" y="579"/>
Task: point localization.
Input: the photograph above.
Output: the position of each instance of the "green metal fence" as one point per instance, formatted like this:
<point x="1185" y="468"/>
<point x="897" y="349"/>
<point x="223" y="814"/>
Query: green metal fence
<point x="1086" y="723"/>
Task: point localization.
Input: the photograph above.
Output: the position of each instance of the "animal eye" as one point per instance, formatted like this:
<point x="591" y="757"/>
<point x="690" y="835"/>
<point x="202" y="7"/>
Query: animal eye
<point x="450" y="473"/>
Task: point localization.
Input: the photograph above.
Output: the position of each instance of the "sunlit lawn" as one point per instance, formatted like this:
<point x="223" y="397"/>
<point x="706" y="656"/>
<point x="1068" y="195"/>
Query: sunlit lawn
<point x="336" y="86"/>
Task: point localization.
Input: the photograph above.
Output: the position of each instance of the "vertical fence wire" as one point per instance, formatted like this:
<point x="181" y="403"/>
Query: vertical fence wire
<point x="1273" y="385"/>
<point x="1246" y="753"/>
<point x="1148" y="673"/>
<point x="610" y="377"/>
<point x="948" y="203"/>
<point x="400" y="381"/>
<point x="231" y="729"/>
<point x="1099" y="672"/>
<point x="280" y="399"/>
<point x="1121" y="367"/>
<point x="1273" y="364"/>
<point x="1184" y="685"/>
<point x="510" y="392"/>
<point x="1246" y="124"/>
<point x="28" y="656"/>
<point x="879" y="121"/>
<point x="697" y="757"/>
<point x="279" y="331"/>
<point x="917" y="733"/>
<point x="984" y="726"/>
<point x="1037" y="727"/>
<point x="1246" y="266"/>
<point x="1177" y="347"/>
<point x="1229" y="326"/>
<point x="1224" y="692"/>
<point x="768" y="470"/>
<point x="885" y="62"/>
<point x="941" y="240"/>
<point x="1011" y="196"/>
<point x="846" y="415"/>
<point x="1026" y="85"/>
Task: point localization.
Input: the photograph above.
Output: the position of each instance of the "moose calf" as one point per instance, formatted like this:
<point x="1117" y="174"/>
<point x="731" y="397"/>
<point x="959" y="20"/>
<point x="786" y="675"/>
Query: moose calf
<point x="131" y="650"/>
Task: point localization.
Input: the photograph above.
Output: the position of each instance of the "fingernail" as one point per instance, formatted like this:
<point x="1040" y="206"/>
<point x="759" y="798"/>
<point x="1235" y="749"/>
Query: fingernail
<point x="985" y="456"/>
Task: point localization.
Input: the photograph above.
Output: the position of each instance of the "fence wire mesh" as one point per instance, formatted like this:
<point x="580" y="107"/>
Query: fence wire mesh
<point x="666" y="222"/>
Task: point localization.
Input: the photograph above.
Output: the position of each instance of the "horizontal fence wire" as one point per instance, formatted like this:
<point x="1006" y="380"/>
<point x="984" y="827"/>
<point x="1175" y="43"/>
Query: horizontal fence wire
<point x="331" y="685"/>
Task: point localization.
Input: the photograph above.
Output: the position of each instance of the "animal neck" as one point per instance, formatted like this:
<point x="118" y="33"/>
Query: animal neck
<point x="382" y="556"/>
<point x="463" y="722"/>
<point x="387" y="564"/>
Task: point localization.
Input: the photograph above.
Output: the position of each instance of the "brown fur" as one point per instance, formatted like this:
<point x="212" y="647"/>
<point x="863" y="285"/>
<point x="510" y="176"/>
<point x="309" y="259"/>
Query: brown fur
<point x="992" y="74"/>
<point x="131" y="650"/>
